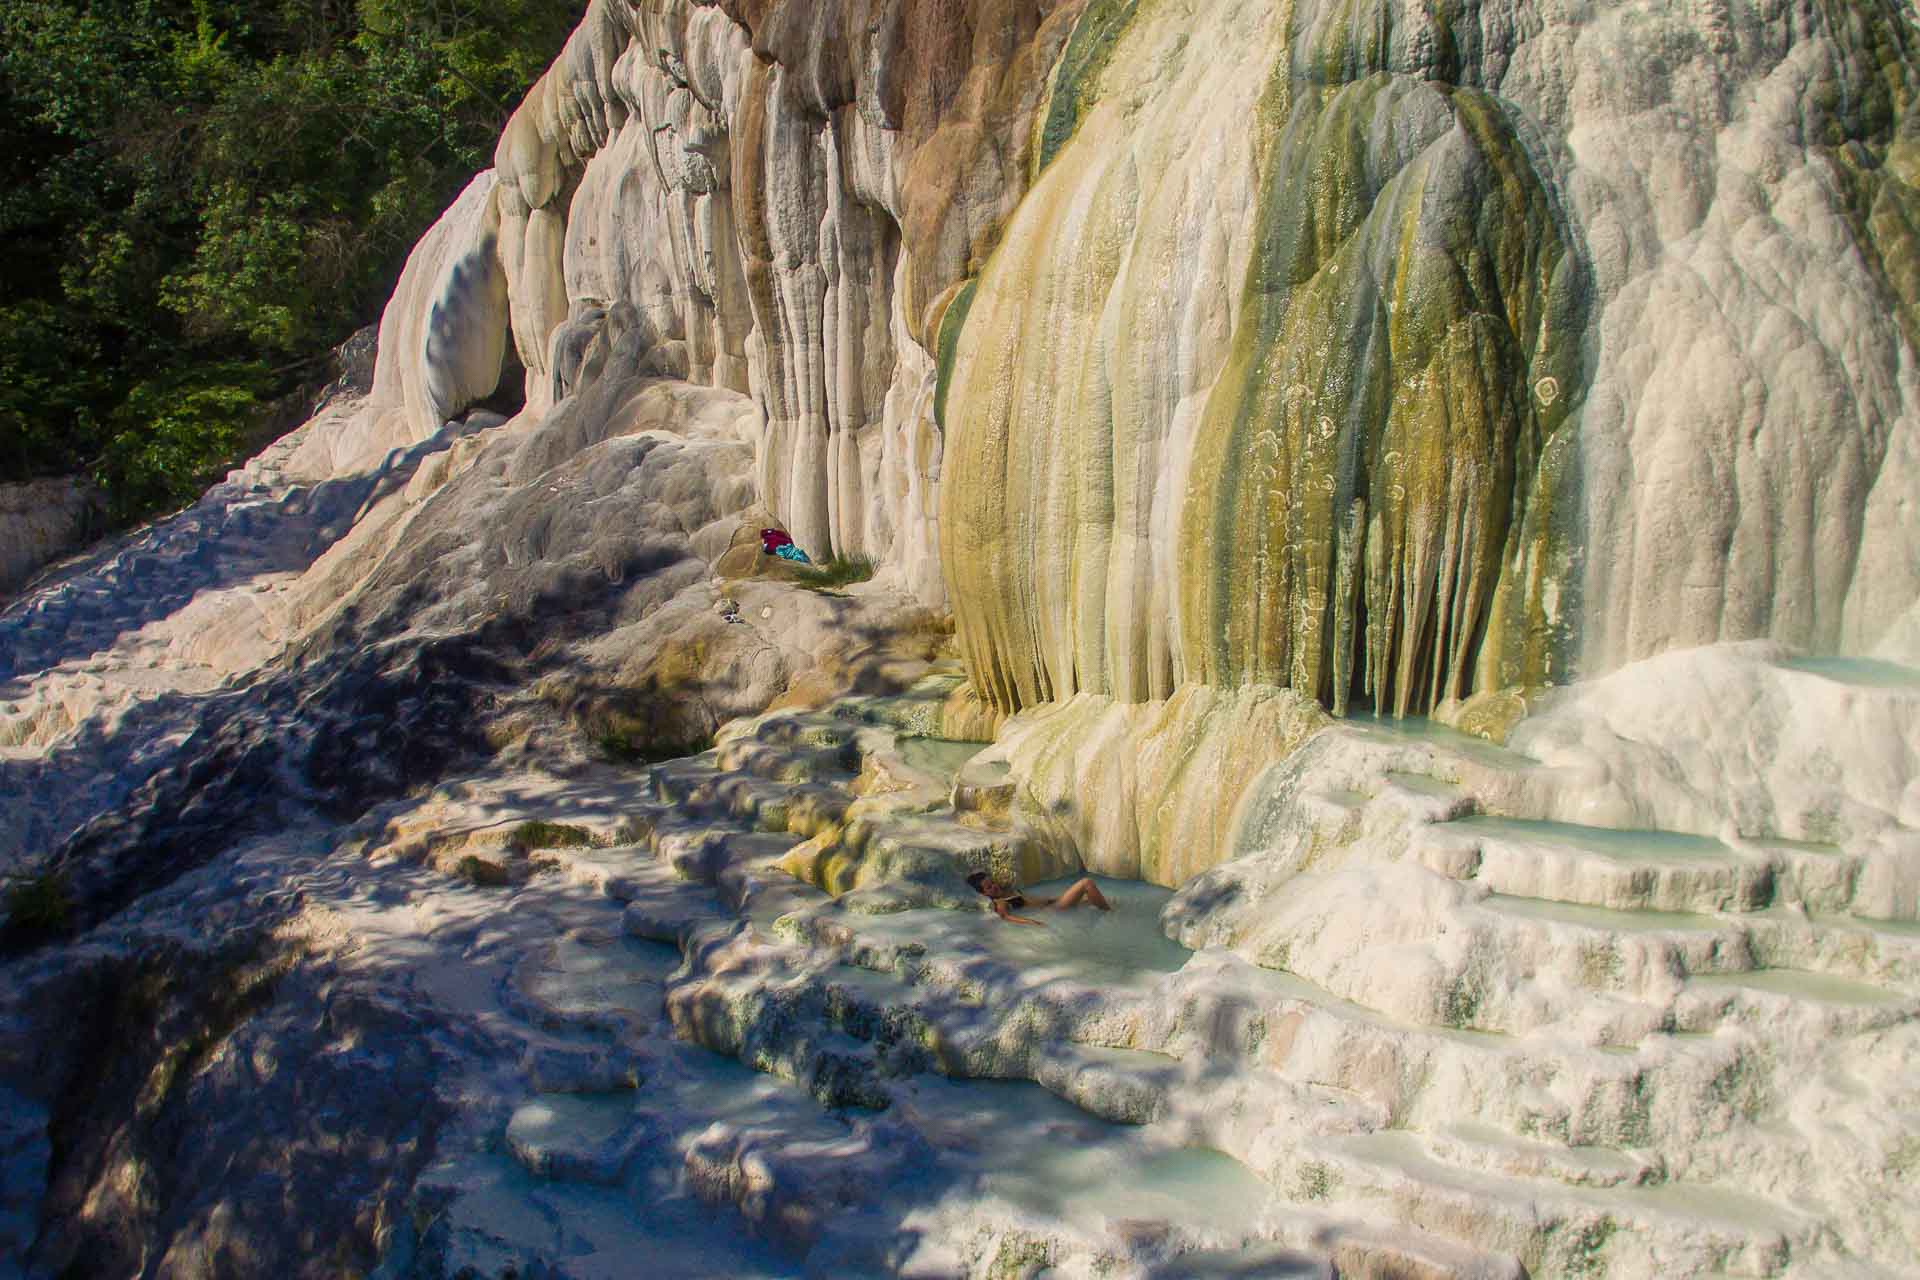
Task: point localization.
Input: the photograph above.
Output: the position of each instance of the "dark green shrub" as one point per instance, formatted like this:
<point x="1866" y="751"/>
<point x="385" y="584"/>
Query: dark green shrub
<point x="40" y="903"/>
<point x="199" y="187"/>
<point x="175" y="435"/>
<point x="831" y="574"/>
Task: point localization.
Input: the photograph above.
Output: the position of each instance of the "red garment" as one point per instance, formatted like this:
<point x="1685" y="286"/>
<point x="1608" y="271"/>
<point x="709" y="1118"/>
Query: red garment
<point x="771" y="540"/>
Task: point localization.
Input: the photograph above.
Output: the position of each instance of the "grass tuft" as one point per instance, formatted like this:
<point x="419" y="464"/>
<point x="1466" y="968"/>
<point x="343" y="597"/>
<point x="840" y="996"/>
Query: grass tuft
<point x="551" y="835"/>
<point x="830" y="574"/>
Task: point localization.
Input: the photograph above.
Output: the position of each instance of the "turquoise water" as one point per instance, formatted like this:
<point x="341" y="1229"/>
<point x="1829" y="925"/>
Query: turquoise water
<point x="941" y="757"/>
<point x="1800" y="984"/>
<point x="1600" y="917"/>
<point x="1049" y="1157"/>
<point x="1639" y="845"/>
<point x="1869" y="673"/>
<point x="1083" y="944"/>
<point x="1087" y="943"/>
<point x="1899" y="928"/>
<point x="1798" y="846"/>
<point x="1421" y="729"/>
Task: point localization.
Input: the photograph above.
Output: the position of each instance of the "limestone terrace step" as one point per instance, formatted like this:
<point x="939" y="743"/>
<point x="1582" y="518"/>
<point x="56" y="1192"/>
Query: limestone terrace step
<point x="1597" y="866"/>
<point x="1667" y="1230"/>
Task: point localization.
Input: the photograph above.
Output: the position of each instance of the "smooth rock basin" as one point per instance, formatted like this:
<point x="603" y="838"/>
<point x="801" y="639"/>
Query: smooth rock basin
<point x="1048" y="1156"/>
<point x="1820" y="987"/>
<point x="1574" y="913"/>
<point x="942" y="757"/>
<point x="596" y="977"/>
<point x="1422" y="729"/>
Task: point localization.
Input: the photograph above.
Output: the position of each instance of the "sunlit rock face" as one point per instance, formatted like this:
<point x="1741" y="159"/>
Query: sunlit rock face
<point x="781" y="194"/>
<point x="1383" y="354"/>
<point x="442" y="346"/>
<point x="1392" y="352"/>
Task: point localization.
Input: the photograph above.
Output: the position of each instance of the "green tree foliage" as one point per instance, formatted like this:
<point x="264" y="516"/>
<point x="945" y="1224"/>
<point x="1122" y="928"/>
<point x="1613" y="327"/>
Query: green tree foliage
<point x="201" y="196"/>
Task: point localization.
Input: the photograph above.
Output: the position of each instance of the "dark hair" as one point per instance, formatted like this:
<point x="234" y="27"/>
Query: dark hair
<point x="977" y="879"/>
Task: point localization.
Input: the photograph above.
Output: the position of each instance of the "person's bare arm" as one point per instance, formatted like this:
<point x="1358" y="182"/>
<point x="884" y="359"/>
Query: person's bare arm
<point x="1006" y="913"/>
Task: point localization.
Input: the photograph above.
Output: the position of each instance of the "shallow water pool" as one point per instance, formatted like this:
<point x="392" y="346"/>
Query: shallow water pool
<point x="1049" y="1157"/>
<point x="1083" y="944"/>
<point x="1634" y="844"/>
<point x="941" y="757"/>
<point x="1869" y="673"/>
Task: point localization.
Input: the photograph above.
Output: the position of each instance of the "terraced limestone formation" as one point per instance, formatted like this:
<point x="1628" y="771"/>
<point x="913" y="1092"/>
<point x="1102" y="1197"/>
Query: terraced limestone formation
<point x="1526" y="1044"/>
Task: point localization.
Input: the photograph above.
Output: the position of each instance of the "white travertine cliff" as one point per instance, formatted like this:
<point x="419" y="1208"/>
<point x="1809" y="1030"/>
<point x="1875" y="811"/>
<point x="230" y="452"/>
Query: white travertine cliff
<point x="1419" y="498"/>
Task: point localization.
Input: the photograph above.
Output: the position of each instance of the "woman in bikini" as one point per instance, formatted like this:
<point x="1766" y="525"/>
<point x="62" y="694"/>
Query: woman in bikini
<point x="1007" y="899"/>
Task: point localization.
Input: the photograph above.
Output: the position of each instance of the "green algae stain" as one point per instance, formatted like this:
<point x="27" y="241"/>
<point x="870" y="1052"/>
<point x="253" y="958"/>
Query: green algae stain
<point x="1872" y="142"/>
<point x="947" y="345"/>
<point x="1383" y="499"/>
<point x="1367" y="462"/>
<point x="1077" y="81"/>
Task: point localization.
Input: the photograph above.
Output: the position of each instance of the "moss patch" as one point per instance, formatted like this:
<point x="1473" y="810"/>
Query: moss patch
<point x="1076" y="81"/>
<point x="829" y="575"/>
<point x="550" y="835"/>
<point x="628" y="747"/>
<point x="948" y="343"/>
<point x="481" y="872"/>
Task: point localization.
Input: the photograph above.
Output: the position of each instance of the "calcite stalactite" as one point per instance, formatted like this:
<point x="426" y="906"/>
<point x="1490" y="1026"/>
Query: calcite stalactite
<point x="788" y="192"/>
<point x="1319" y="491"/>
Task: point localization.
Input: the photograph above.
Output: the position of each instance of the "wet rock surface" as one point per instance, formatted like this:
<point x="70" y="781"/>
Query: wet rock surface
<point x="664" y="1034"/>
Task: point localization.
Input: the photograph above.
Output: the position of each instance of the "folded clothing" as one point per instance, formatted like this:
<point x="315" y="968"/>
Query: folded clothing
<point x="787" y="551"/>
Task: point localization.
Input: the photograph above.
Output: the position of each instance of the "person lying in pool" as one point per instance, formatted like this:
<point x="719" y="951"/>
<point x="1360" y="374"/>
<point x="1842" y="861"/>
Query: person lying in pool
<point x="1007" y="899"/>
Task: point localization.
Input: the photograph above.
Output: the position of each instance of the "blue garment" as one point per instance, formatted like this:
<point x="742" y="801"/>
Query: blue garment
<point x="787" y="551"/>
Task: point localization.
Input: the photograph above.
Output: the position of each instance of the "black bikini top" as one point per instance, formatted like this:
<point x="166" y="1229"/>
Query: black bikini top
<point x="1013" y="900"/>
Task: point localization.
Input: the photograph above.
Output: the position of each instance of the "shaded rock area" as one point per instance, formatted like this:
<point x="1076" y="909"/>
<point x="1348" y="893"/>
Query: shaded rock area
<point x="738" y="1011"/>
<point x="452" y="848"/>
<point x="180" y="1074"/>
<point x="554" y="1073"/>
